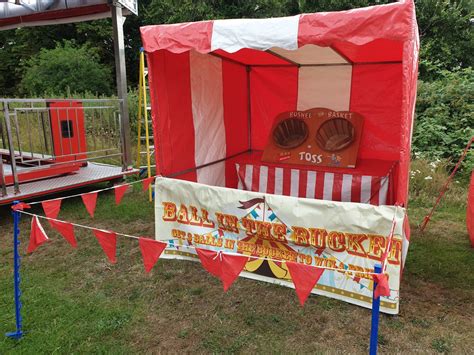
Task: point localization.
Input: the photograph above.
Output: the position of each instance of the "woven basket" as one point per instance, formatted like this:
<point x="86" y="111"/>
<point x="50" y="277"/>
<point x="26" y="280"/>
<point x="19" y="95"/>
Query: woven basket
<point x="290" y="133"/>
<point x="335" y="134"/>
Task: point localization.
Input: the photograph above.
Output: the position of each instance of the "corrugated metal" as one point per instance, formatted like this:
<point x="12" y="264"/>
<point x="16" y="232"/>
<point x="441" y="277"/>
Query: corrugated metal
<point x="22" y="13"/>
<point x="29" y="7"/>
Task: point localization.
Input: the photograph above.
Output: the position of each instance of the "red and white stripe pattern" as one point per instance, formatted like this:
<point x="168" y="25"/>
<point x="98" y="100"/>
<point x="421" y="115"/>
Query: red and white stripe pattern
<point x="217" y="86"/>
<point x="208" y="117"/>
<point x="357" y="26"/>
<point x="314" y="184"/>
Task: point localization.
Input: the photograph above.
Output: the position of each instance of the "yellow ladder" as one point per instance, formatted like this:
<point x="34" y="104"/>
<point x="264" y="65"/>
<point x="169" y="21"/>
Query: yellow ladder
<point x="143" y="111"/>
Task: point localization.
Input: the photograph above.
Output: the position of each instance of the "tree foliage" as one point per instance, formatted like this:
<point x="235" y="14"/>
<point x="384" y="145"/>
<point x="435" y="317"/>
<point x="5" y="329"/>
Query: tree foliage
<point x="444" y="115"/>
<point x="66" y="68"/>
<point x="447" y="38"/>
<point x="446" y="34"/>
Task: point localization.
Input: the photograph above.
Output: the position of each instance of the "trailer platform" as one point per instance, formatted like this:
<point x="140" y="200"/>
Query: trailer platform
<point x="90" y="174"/>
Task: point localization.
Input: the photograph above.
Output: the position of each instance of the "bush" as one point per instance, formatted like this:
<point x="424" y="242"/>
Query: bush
<point x="444" y="121"/>
<point x="133" y="112"/>
<point x="64" y="69"/>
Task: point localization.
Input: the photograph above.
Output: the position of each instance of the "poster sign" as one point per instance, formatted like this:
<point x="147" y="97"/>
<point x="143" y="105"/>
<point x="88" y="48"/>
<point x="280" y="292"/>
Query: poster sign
<point x="273" y="229"/>
<point x="131" y="5"/>
<point x="315" y="137"/>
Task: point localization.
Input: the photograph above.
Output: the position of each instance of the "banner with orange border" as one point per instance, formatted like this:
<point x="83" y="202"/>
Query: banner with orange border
<point x="346" y="238"/>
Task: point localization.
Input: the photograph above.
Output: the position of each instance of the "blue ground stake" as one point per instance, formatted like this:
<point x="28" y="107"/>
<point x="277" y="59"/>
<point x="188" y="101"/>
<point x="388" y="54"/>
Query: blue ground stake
<point x="374" y="331"/>
<point x="18" y="333"/>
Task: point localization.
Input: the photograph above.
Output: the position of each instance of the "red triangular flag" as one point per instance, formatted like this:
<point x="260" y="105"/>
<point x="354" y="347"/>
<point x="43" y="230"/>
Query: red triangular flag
<point x="231" y="267"/>
<point x="90" y="200"/>
<point x="66" y="230"/>
<point x="20" y="206"/>
<point x="51" y="208"/>
<point x="210" y="260"/>
<point x="382" y="288"/>
<point x="151" y="251"/>
<point x="108" y="242"/>
<point x="304" y="278"/>
<point x="146" y="182"/>
<point x="119" y="192"/>
<point x="37" y="235"/>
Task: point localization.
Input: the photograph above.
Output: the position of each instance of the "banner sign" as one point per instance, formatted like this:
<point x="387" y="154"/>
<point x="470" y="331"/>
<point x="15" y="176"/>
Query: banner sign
<point x="273" y="229"/>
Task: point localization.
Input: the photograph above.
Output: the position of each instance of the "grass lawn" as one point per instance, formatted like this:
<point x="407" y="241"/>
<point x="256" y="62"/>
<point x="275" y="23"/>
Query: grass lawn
<point x="75" y="301"/>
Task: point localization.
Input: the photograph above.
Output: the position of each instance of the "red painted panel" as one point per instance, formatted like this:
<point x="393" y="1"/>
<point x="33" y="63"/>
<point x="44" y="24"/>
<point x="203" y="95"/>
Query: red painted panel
<point x="67" y="128"/>
<point x="470" y="211"/>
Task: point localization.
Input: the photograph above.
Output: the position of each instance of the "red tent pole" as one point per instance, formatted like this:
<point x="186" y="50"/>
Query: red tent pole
<point x="470" y="210"/>
<point x="446" y="185"/>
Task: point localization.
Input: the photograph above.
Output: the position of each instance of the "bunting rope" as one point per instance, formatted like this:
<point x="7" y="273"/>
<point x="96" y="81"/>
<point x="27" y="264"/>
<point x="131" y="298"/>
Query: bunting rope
<point x="146" y="181"/>
<point x="225" y="265"/>
<point x="78" y="225"/>
<point x="167" y="242"/>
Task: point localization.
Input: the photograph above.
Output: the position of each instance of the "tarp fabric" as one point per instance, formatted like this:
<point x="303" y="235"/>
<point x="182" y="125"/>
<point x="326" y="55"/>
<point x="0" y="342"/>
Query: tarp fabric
<point x="217" y="86"/>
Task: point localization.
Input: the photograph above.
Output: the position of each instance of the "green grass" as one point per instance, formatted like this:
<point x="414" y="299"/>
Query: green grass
<point x="76" y="302"/>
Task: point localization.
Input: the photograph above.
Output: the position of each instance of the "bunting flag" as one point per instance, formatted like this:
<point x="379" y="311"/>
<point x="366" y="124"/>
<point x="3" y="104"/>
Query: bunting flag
<point x="90" y="201"/>
<point x="66" y="230"/>
<point x="37" y="235"/>
<point x="224" y="266"/>
<point x="382" y="288"/>
<point x="232" y="266"/>
<point x="51" y="208"/>
<point x="119" y="192"/>
<point x="20" y="206"/>
<point x="304" y="278"/>
<point x="151" y="251"/>
<point x="147" y="182"/>
<point x="108" y="242"/>
<point x="210" y="261"/>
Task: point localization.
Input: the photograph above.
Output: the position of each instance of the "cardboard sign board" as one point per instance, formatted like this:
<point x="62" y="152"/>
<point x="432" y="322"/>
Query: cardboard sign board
<point x="348" y="239"/>
<point x="131" y="5"/>
<point x="316" y="137"/>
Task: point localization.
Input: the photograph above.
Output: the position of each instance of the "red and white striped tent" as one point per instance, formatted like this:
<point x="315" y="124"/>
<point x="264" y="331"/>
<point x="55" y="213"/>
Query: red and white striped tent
<point x="216" y="87"/>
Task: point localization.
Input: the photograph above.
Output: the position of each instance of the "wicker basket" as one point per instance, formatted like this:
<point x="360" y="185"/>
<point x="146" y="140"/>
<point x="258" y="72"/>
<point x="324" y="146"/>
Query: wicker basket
<point x="335" y="134"/>
<point x="290" y="133"/>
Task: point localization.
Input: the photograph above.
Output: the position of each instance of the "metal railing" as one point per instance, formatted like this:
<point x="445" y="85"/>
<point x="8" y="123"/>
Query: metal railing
<point x="55" y="132"/>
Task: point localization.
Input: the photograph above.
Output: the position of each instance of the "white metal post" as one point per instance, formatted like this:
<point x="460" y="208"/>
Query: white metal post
<point x="121" y="74"/>
<point x="6" y="112"/>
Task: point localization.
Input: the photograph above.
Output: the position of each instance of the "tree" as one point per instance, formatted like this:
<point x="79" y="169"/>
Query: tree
<point x="66" y="68"/>
<point x="447" y="36"/>
<point x="447" y="39"/>
<point x="173" y="11"/>
<point x="444" y="121"/>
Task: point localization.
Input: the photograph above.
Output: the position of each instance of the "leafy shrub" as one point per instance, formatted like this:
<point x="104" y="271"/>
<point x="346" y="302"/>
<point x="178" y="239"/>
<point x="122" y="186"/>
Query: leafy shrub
<point x="64" y="69"/>
<point x="444" y="117"/>
<point x="133" y="112"/>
